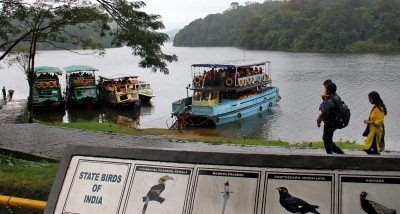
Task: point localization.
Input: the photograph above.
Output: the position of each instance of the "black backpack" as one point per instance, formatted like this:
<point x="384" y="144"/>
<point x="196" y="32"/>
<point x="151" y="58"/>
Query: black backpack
<point x="342" y="115"/>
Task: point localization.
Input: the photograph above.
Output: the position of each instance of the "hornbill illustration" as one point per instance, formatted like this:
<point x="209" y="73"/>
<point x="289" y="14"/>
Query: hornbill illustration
<point x="293" y="204"/>
<point x="155" y="191"/>
<point x="372" y="207"/>
<point x="226" y="195"/>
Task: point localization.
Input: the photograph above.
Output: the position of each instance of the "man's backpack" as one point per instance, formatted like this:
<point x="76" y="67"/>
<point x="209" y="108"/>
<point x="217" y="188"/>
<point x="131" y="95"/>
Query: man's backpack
<point x="342" y="116"/>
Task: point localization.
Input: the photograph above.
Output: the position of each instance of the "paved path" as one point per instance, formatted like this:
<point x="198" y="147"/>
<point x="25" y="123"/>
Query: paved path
<point x="12" y="111"/>
<point x="50" y="142"/>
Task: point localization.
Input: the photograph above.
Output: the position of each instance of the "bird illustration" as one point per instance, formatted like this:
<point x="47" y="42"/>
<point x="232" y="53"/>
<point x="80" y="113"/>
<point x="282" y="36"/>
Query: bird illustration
<point x="372" y="207"/>
<point x="293" y="204"/>
<point x="226" y="195"/>
<point x="155" y="191"/>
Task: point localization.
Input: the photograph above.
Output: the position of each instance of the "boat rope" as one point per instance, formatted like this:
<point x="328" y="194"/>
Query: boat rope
<point x="144" y="124"/>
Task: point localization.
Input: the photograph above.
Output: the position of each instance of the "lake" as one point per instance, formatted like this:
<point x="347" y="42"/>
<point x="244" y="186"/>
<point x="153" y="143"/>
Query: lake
<point x="299" y="77"/>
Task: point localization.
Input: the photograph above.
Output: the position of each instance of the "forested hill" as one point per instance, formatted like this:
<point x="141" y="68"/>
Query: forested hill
<point x="300" y="25"/>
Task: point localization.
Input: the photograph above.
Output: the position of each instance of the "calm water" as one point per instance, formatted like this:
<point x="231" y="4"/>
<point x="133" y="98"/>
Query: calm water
<point x="299" y="77"/>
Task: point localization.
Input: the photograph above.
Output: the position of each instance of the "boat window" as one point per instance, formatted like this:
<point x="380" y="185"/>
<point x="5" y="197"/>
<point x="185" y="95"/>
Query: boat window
<point x="214" y="95"/>
<point x="204" y="96"/>
<point x="197" y="96"/>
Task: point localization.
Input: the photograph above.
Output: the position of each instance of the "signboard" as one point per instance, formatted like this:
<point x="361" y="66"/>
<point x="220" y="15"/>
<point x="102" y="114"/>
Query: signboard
<point x="220" y="190"/>
<point x="122" y="181"/>
<point x="308" y="192"/>
<point x="156" y="188"/>
<point x="357" y="192"/>
<point x="95" y="185"/>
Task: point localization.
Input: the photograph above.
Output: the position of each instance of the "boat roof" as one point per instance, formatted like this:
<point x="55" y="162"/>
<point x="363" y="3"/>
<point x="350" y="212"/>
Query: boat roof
<point x="76" y="68"/>
<point x="232" y="64"/>
<point x="47" y="69"/>
<point x="118" y="76"/>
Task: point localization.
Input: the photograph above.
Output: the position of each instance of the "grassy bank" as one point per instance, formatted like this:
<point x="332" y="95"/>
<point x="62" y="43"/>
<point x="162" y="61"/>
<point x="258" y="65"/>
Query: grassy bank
<point x="192" y="135"/>
<point x="25" y="179"/>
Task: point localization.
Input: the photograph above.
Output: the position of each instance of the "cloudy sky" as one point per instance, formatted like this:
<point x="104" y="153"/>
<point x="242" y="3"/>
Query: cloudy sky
<point x="176" y="14"/>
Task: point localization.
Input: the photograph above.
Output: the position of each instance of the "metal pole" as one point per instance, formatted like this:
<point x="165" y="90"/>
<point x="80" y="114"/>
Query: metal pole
<point x="22" y="202"/>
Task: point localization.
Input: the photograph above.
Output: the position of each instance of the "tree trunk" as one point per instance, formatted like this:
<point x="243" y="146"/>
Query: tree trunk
<point x="31" y="79"/>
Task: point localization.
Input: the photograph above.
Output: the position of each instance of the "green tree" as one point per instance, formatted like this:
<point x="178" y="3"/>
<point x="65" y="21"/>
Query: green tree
<point x="44" y="21"/>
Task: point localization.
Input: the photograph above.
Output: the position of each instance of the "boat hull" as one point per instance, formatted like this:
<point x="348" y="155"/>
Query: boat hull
<point x="145" y="97"/>
<point x="82" y="96"/>
<point x="227" y="111"/>
<point x="48" y="97"/>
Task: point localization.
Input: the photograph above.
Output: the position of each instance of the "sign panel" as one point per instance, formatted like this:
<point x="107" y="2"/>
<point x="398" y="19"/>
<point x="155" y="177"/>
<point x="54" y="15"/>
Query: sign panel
<point x="144" y="181"/>
<point x="369" y="194"/>
<point x="225" y="191"/>
<point x="158" y="188"/>
<point x="95" y="187"/>
<point x="298" y="193"/>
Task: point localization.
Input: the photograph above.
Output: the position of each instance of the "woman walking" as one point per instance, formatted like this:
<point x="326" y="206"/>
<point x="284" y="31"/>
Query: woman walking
<point x="375" y="131"/>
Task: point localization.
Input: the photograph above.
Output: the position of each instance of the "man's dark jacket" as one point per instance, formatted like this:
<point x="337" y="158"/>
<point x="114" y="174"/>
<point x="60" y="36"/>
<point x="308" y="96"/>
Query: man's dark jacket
<point x="329" y="112"/>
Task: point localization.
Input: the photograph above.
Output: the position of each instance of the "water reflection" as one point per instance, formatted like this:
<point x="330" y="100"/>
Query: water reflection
<point x="123" y="117"/>
<point x="100" y="114"/>
<point x="50" y="114"/>
<point x="85" y="114"/>
<point x="146" y="108"/>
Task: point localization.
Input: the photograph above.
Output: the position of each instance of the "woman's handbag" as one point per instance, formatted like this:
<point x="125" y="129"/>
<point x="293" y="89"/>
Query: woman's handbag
<point x="382" y="144"/>
<point x="366" y="131"/>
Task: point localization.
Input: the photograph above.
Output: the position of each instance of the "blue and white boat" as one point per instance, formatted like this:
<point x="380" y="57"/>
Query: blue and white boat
<point x="227" y="92"/>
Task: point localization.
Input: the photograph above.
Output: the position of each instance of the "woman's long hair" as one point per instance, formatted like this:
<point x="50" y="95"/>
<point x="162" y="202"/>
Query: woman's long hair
<point x="377" y="101"/>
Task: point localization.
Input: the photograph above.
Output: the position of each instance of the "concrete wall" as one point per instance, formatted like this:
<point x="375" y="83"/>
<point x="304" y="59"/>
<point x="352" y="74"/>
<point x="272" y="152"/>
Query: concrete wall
<point x="120" y="180"/>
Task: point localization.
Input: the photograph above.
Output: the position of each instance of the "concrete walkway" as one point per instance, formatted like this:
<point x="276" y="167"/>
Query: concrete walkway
<point x="50" y="142"/>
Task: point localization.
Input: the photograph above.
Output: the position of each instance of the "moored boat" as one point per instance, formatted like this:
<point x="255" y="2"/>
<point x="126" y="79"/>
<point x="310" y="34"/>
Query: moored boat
<point x="145" y="90"/>
<point x="81" y="86"/>
<point x="47" y="90"/>
<point x="119" y="91"/>
<point x="227" y="92"/>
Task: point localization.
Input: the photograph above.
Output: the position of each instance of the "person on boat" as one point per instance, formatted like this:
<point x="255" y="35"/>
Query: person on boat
<point x="197" y="96"/>
<point x="375" y="131"/>
<point x="328" y="117"/>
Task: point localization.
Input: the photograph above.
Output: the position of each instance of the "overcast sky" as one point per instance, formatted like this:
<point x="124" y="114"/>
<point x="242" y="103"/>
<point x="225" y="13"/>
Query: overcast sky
<point x="176" y="14"/>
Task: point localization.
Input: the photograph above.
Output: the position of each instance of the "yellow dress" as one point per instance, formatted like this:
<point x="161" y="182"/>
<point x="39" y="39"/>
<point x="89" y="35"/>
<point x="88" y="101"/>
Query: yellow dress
<point x="375" y="129"/>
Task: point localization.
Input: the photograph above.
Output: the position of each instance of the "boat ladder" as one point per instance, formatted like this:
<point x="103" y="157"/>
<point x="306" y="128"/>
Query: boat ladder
<point x="175" y="124"/>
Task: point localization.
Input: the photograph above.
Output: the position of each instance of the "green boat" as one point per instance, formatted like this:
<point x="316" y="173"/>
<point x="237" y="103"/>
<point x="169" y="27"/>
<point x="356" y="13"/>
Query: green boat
<point x="81" y="86"/>
<point x="47" y="90"/>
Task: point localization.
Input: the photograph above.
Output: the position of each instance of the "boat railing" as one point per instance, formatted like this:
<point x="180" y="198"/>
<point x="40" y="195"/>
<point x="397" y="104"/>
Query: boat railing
<point x="83" y="81"/>
<point x="230" y="81"/>
<point x="181" y="105"/>
<point x="46" y="83"/>
<point x="251" y="80"/>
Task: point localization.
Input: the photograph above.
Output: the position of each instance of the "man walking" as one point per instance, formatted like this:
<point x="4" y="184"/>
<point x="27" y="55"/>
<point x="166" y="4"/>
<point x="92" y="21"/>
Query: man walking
<point x="328" y="116"/>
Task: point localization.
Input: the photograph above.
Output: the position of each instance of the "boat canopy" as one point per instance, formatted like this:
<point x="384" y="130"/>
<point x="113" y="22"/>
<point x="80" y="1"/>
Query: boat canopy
<point x="118" y="77"/>
<point x="76" y="68"/>
<point x="232" y="64"/>
<point x="47" y="69"/>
